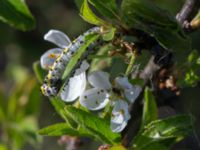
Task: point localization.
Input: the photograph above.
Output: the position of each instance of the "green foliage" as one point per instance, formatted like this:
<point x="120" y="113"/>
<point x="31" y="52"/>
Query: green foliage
<point x="165" y="132"/>
<point x="63" y="129"/>
<point x="146" y="16"/>
<point x="150" y="112"/>
<point x="88" y="126"/>
<point x="16" y="14"/>
<point x="118" y="67"/>
<point x="160" y="133"/>
<point x="109" y="35"/>
<point x="107" y="8"/>
<point x="58" y="105"/>
<point x="100" y="128"/>
<point x="89" y="16"/>
<point x="18" y="115"/>
<point x="190" y="70"/>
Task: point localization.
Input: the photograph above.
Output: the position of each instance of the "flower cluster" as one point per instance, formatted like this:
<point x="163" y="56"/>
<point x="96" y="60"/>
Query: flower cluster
<point x="96" y="90"/>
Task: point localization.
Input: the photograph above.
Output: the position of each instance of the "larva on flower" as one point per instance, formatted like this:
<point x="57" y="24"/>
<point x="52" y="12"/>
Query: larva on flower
<point x="79" y="68"/>
<point x="52" y="81"/>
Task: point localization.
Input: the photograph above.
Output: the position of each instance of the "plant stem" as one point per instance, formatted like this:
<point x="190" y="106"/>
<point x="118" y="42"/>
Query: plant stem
<point x="131" y="63"/>
<point x="187" y="13"/>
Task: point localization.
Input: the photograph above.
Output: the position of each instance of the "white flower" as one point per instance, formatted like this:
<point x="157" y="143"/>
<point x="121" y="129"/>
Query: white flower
<point x="59" y="39"/>
<point x="130" y="92"/>
<point x="100" y="94"/>
<point x="76" y="85"/>
<point x="97" y="97"/>
<point x="120" y="116"/>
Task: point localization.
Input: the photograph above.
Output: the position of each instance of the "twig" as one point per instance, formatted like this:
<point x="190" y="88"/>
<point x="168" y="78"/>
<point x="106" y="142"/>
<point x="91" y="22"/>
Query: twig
<point x="187" y="13"/>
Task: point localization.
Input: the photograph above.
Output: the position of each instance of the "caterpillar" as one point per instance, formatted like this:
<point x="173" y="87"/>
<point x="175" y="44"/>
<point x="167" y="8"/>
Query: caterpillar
<point x="52" y="81"/>
<point x="81" y="65"/>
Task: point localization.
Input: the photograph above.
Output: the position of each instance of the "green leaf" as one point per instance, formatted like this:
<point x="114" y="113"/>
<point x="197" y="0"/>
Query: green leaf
<point x="62" y="129"/>
<point x="108" y="8"/>
<point x="150" y="112"/>
<point x="177" y="126"/>
<point x="16" y="14"/>
<point x="166" y="131"/>
<point x="109" y="35"/>
<point x="146" y="16"/>
<point x="118" y="67"/>
<point x="79" y="55"/>
<point x="59" y="106"/>
<point x="39" y="72"/>
<point x="190" y="68"/>
<point x="100" y="127"/>
<point x="89" y="16"/>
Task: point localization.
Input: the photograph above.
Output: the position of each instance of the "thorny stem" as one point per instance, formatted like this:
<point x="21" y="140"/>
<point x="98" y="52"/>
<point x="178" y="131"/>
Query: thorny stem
<point x="186" y="14"/>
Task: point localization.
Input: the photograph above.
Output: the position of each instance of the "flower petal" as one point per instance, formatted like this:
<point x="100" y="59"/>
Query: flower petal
<point x="84" y="66"/>
<point x="99" y="79"/>
<point x="133" y="93"/>
<point x="123" y="83"/>
<point x="120" y="116"/>
<point x="57" y="37"/>
<point x="120" y="112"/>
<point x="48" y="58"/>
<point x="74" y="88"/>
<point x="117" y="127"/>
<point x="94" y="99"/>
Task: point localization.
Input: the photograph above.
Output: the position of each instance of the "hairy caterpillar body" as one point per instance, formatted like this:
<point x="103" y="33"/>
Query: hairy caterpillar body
<point x="52" y="81"/>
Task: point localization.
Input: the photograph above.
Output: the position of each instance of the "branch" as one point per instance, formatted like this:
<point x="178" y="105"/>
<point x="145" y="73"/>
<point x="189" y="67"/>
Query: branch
<point x="187" y="13"/>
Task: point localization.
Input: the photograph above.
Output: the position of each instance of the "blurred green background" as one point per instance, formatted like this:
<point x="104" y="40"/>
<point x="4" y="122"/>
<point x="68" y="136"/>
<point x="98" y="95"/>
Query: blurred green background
<point x="23" y="109"/>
